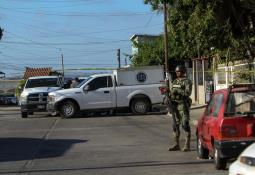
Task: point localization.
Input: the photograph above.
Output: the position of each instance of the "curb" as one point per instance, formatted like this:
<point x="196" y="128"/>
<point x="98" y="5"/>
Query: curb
<point x="9" y="108"/>
<point x="197" y="106"/>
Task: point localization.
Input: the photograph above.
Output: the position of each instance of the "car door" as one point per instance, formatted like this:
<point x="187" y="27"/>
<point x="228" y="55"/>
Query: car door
<point x="100" y="93"/>
<point x="209" y="122"/>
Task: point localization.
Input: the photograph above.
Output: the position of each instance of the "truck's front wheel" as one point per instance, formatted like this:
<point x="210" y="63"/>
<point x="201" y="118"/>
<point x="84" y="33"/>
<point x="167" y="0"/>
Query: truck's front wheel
<point x="68" y="109"/>
<point x="140" y="106"/>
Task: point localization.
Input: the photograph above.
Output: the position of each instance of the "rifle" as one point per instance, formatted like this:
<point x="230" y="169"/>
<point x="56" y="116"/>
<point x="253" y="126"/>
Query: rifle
<point x="172" y="109"/>
<point x="170" y="104"/>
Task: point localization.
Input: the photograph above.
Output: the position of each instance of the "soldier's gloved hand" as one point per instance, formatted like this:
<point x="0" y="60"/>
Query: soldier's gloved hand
<point x="173" y="95"/>
<point x="174" y="90"/>
<point x="178" y="91"/>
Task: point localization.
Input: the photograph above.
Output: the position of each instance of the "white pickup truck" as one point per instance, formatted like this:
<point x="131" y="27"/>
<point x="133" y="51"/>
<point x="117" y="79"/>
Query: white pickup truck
<point x="135" y="88"/>
<point x="34" y="95"/>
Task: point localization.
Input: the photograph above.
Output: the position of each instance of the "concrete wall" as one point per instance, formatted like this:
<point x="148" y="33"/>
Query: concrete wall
<point x="201" y="95"/>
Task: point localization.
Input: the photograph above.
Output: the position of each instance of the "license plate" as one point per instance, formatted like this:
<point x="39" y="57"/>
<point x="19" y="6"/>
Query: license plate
<point x="41" y="107"/>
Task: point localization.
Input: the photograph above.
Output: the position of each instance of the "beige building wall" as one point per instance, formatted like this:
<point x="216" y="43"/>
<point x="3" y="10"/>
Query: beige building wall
<point x="201" y="95"/>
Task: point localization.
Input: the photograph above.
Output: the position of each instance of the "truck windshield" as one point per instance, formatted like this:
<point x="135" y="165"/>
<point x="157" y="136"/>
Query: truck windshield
<point x="84" y="81"/>
<point x="43" y="82"/>
<point x="241" y="103"/>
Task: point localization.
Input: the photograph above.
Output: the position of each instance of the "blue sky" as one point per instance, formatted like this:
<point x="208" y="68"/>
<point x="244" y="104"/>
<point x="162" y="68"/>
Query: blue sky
<point x="87" y="32"/>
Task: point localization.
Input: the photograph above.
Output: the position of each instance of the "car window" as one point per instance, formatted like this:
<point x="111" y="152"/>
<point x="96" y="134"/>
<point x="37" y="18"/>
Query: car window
<point x="84" y="81"/>
<point x="109" y="81"/>
<point x="217" y="104"/>
<point x="240" y="103"/>
<point x="100" y="82"/>
<point x="214" y="105"/>
<point x="210" y="106"/>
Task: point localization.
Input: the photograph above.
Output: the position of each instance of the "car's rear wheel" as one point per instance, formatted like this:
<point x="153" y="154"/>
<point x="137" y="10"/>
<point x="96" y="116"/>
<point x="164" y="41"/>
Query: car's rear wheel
<point x="24" y="114"/>
<point x="68" y="109"/>
<point x="202" y="152"/>
<point x="220" y="163"/>
<point x="140" y="106"/>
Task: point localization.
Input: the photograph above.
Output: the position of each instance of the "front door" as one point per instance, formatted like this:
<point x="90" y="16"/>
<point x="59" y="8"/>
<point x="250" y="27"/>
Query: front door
<point x="100" y="94"/>
<point x="210" y="119"/>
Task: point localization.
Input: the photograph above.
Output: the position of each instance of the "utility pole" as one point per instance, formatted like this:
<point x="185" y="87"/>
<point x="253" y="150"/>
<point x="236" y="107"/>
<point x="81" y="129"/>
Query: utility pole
<point x="1" y="33"/>
<point x="63" y="72"/>
<point x="166" y="47"/>
<point x="118" y="57"/>
<point x="125" y="61"/>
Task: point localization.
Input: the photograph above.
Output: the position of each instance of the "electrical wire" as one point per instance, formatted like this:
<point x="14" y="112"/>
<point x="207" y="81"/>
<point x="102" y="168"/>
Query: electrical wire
<point x="82" y="14"/>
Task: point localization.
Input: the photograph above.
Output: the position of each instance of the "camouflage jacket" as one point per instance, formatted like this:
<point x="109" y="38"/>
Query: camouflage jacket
<point x="181" y="90"/>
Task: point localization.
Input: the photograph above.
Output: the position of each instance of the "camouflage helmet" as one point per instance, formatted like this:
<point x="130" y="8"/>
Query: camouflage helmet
<point x="180" y="68"/>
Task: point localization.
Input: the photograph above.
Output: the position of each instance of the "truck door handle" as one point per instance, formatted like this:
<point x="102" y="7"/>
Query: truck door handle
<point x="106" y="92"/>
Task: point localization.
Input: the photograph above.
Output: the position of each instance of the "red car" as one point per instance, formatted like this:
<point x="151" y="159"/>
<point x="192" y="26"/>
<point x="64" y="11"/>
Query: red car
<point x="227" y="125"/>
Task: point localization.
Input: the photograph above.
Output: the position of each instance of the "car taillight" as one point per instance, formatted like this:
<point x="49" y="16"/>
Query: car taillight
<point x="162" y="90"/>
<point x="228" y="131"/>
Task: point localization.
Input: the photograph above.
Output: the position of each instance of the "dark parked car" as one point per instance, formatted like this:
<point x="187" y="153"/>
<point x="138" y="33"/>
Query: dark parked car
<point x="8" y="99"/>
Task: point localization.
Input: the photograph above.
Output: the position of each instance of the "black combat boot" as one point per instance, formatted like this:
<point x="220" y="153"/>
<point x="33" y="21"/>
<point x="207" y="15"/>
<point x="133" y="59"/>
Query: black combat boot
<point x="176" y="146"/>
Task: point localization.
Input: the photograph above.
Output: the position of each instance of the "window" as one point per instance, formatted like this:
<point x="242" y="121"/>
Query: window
<point x="218" y="103"/>
<point x="210" y="106"/>
<point x="214" y="105"/>
<point x="101" y="82"/>
<point x="240" y="103"/>
<point x="109" y="81"/>
<point x="42" y="82"/>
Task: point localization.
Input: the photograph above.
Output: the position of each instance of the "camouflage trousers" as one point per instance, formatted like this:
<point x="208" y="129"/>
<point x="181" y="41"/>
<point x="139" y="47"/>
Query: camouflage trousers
<point x="182" y="117"/>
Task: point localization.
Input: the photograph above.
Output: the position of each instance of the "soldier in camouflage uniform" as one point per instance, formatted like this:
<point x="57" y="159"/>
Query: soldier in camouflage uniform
<point x="179" y="95"/>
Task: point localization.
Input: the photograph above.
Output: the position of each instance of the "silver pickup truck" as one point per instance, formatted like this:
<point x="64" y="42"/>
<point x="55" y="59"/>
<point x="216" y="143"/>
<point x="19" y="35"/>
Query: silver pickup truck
<point x="34" y="95"/>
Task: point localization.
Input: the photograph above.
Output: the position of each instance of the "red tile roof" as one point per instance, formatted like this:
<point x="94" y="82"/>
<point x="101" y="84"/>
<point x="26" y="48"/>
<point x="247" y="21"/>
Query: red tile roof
<point x="34" y="72"/>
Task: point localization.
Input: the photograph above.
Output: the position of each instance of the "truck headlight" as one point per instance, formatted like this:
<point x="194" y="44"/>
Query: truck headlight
<point x="247" y="160"/>
<point x="23" y="99"/>
<point x="51" y="98"/>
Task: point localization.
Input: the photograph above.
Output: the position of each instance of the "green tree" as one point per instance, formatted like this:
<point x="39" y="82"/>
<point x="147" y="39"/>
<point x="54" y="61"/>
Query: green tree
<point x="196" y="26"/>
<point x="150" y="53"/>
<point x="19" y="88"/>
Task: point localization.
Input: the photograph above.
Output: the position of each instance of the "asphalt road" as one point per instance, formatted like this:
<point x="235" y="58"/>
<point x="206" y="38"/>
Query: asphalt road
<point x="121" y="145"/>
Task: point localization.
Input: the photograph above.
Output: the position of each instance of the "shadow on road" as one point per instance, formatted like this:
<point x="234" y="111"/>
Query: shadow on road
<point x="15" y="149"/>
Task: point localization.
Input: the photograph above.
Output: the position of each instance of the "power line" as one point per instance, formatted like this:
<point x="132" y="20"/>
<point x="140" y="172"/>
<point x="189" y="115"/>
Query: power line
<point x="88" y="33"/>
<point x="148" y="22"/>
<point x="29" y="53"/>
<point x="81" y="14"/>
<point x="51" y="1"/>
<point x="53" y="58"/>
<point x="89" y="2"/>
<point x="80" y="43"/>
<point x="33" y="41"/>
